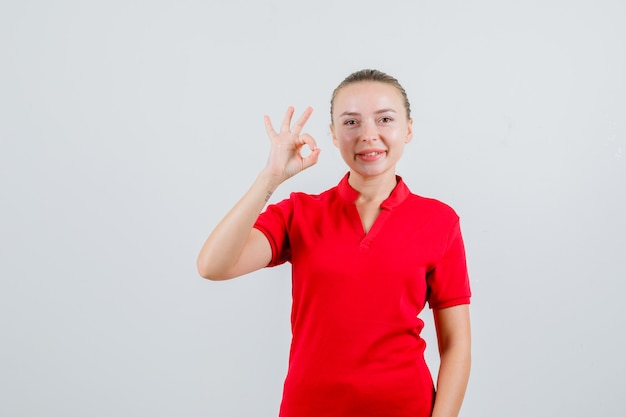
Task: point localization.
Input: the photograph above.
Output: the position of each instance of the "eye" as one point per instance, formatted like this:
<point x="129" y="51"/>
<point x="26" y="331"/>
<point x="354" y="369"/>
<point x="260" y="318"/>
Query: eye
<point x="386" y="119"/>
<point x="349" y="122"/>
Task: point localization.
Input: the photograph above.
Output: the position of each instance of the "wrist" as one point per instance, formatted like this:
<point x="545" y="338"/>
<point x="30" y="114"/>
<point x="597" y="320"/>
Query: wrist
<point x="268" y="181"/>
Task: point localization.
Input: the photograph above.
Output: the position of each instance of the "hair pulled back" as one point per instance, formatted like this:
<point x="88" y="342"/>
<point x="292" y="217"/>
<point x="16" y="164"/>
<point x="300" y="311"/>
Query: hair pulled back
<point x="371" y="75"/>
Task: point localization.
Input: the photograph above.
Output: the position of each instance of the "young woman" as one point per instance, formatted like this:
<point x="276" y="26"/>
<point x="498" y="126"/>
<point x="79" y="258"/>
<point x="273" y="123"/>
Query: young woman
<point x="366" y="256"/>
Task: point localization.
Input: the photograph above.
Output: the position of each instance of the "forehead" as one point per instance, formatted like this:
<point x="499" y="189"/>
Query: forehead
<point x="368" y="95"/>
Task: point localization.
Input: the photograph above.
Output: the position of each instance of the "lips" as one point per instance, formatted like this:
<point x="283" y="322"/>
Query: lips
<point x="370" y="154"/>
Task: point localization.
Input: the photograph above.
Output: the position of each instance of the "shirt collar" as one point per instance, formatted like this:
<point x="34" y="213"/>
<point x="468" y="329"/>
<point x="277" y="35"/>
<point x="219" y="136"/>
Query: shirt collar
<point x="397" y="196"/>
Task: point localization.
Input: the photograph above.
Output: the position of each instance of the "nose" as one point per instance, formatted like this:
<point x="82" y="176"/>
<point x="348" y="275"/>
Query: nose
<point x="370" y="131"/>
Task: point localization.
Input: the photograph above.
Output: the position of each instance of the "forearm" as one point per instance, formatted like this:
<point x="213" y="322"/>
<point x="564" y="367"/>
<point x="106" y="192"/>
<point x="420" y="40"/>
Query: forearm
<point x="225" y="245"/>
<point x="234" y="248"/>
<point x="452" y="381"/>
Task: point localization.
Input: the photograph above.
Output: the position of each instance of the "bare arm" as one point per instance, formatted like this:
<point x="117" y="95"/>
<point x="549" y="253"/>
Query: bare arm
<point x="454" y="339"/>
<point x="234" y="247"/>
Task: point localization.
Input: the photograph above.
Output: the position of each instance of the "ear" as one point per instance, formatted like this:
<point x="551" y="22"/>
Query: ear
<point x="409" y="133"/>
<point x="332" y="131"/>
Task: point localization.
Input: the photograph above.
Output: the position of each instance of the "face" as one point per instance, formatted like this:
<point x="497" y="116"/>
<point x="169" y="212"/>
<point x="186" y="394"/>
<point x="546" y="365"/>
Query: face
<point x="370" y="127"/>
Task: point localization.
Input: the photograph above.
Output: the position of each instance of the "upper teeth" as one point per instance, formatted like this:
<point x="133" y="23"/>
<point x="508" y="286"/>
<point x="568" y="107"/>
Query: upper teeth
<point x="371" y="154"/>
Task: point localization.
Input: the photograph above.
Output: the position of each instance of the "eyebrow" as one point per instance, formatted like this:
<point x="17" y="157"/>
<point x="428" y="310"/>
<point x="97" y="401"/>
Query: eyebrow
<point x="353" y="113"/>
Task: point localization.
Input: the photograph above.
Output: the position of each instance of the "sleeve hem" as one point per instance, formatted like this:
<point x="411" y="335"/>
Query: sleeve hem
<point x="268" y="236"/>
<point x="450" y="303"/>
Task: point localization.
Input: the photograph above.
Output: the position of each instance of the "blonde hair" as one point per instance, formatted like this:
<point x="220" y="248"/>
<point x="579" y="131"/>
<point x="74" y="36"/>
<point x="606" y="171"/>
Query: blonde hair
<point x="374" y="76"/>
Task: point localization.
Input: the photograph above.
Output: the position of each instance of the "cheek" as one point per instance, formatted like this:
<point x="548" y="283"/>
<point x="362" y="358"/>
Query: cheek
<point x="398" y="135"/>
<point x="347" y="136"/>
<point x="346" y="144"/>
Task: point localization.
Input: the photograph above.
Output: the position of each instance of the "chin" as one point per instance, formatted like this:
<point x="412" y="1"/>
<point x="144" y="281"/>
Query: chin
<point x="372" y="172"/>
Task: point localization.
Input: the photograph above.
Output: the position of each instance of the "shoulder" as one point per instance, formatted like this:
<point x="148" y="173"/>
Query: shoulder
<point x="426" y="208"/>
<point x="301" y="204"/>
<point x="325" y="197"/>
<point x="431" y="207"/>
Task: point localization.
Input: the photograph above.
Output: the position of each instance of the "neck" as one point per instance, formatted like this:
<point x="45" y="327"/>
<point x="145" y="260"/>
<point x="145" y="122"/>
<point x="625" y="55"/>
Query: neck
<point x="373" y="188"/>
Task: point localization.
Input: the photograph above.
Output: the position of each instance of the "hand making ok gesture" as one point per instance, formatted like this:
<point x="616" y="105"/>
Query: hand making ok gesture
<point x="285" y="158"/>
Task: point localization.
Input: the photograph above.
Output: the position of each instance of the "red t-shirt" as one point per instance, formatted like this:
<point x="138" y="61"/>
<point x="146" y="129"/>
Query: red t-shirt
<point x="356" y="348"/>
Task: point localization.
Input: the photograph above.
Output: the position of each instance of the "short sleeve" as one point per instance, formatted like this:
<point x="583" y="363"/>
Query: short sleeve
<point x="274" y="224"/>
<point x="448" y="281"/>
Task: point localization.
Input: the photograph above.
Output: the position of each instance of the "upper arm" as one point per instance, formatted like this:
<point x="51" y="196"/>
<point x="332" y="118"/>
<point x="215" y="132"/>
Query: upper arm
<point x="448" y="280"/>
<point x="453" y="327"/>
<point x="256" y="254"/>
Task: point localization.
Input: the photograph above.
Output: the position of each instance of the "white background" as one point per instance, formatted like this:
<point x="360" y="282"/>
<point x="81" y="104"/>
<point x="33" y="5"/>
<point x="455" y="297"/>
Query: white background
<point x="129" y="128"/>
